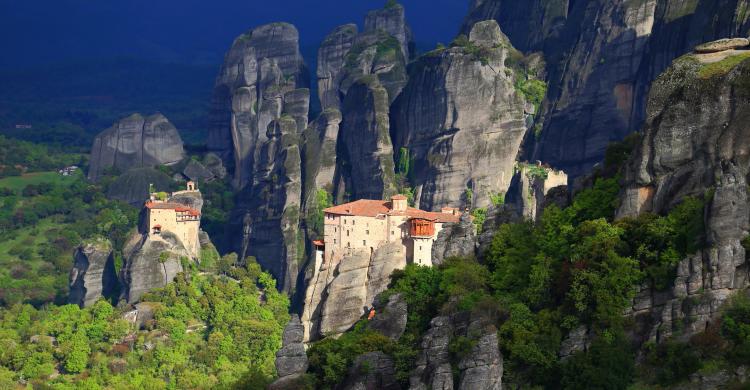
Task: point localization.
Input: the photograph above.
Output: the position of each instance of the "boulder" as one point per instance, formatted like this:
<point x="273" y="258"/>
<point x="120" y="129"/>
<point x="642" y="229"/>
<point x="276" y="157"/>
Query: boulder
<point x="93" y="276"/>
<point x="133" y="142"/>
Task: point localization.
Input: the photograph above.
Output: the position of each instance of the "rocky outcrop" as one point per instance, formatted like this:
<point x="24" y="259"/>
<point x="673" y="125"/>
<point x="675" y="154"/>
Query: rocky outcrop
<point x="371" y="371"/>
<point x="390" y="316"/>
<point x="93" y="276"/>
<point x="133" y="142"/>
<point x="462" y="120"/>
<point x="602" y="57"/>
<point x="262" y="79"/>
<point x="377" y="54"/>
<point x="392" y="20"/>
<point x="366" y="143"/>
<point x="345" y="286"/>
<point x="433" y="369"/>
<point x="481" y="367"/>
<point x="455" y="240"/>
<point x="331" y="59"/>
<point x="132" y="186"/>
<point x="291" y="359"/>
<point x="260" y="108"/>
<point x="196" y="171"/>
<point x="151" y="262"/>
<point x="268" y="210"/>
<point x="321" y="138"/>
<point x="695" y="138"/>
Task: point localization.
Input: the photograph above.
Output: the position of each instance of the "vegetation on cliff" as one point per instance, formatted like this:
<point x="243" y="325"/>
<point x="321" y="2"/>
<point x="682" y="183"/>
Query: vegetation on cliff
<point x="207" y="331"/>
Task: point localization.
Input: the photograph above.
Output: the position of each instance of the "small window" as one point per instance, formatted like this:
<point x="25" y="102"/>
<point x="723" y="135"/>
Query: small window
<point x="348" y="244"/>
<point x="393" y="233"/>
<point x="367" y="232"/>
<point x="364" y="242"/>
<point x="420" y="247"/>
<point x="347" y="233"/>
<point x="334" y="240"/>
<point x="354" y="221"/>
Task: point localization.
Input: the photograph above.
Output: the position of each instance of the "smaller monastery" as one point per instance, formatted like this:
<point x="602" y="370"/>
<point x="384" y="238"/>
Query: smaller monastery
<point x="165" y="215"/>
<point x="368" y="223"/>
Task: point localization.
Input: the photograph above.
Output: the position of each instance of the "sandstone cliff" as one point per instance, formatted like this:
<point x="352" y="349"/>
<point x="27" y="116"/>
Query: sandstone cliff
<point x="260" y="109"/>
<point x="345" y="286"/>
<point x="93" y="276"/>
<point x="480" y="368"/>
<point x="133" y="142"/>
<point x="462" y="120"/>
<point x="268" y="211"/>
<point x="151" y="262"/>
<point x="263" y="77"/>
<point x="331" y="58"/>
<point x="602" y="57"/>
<point x="392" y="20"/>
<point x="291" y="359"/>
<point x="695" y="139"/>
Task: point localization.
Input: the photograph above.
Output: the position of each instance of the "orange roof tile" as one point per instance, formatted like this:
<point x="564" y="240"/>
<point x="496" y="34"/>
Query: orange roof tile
<point x="172" y="206"/>
<point x="373" y="208"/>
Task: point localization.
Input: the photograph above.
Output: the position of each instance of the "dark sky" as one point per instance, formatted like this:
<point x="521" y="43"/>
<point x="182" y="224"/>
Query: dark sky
<point x="187" y="31"/>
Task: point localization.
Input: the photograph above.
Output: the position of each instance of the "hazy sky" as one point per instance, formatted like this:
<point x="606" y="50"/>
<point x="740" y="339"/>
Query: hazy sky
<point x="199" y="31"/>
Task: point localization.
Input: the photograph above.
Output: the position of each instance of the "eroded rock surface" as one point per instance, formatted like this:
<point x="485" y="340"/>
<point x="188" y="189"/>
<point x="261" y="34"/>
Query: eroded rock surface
<point x="93" y="276"/>
<point x="695" y="138"/>
<point x="331" y="60"/>
<point x="456" y="240"/>
<point x="260" y="108"/>
<point x="462" y="121"/>
<point x="602" y="57"/>
<point x="133" y="142"/>
<point x="151" y="262"/>
<point x="345" y="286"/>
<point x="371" y="371"/>
<point x="291" y="359"/>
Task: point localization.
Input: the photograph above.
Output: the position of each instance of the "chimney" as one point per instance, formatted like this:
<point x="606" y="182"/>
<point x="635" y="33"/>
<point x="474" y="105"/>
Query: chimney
<point x="398" y="203"/>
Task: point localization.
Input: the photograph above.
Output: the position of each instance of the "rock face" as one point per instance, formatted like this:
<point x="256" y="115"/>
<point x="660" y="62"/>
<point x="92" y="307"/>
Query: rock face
<point x="480" y="368"/>
<point x="371" y="371"/>
<point x="260" y="108"/>
<point x="458" y="240"/>
<point x="268" y="211"/>
<point x="132" y="186"/>
<point x="390" y="316"/>
<point x="695" y="138"/>
<point x="602" y="57"/>
<point x="331" y="58"/>
<point x="93" y="275"/>
<point x="345" y="286"/>
<point x="392" y="20"/>
<point x="291" y="359"/>
<point x="133" y="142"/>
<point x="366" y="141"/>
<point x="262" y="79"/>
<point x="462" y="121"/>
<point x="151" y="263"/>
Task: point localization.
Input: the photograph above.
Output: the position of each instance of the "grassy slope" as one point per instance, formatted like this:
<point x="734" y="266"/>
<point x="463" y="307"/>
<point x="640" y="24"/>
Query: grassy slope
<point x="18" y="183"/>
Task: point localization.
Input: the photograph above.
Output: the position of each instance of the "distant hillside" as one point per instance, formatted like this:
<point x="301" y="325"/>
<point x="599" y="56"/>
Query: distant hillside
<point x="69" y="103"/>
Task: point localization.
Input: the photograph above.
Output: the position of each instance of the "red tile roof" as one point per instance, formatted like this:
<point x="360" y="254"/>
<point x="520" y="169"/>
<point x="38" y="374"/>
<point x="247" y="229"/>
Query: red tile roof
<point x="373" y="208"/>
<point x="172" y="206"/>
